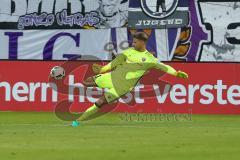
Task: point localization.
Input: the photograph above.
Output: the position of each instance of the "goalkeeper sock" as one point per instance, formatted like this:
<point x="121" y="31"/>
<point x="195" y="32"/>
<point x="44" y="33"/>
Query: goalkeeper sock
<point x="89" y="112"/>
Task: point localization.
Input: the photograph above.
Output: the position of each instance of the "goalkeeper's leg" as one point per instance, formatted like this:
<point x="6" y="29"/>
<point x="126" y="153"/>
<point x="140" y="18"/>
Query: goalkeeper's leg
<point x="91" y="82"/>
<point x="91" y="110"/>
<point x="110" y="96"/>
<point x="102" y="81"/>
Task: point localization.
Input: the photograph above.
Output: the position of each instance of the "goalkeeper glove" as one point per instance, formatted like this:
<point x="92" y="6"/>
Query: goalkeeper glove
<point x="181" y="74"/>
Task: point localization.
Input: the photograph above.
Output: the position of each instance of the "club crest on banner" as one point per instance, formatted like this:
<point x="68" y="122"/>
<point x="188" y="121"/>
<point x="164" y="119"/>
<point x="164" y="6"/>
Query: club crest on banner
<point x="159" y="8"/>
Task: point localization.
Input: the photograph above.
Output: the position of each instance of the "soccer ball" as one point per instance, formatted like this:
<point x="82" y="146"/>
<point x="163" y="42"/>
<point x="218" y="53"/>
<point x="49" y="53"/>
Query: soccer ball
<point x="57" y="72"/>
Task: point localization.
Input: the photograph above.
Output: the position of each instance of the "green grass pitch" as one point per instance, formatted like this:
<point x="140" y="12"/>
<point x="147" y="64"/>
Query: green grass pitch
<point x="41" y="136"/>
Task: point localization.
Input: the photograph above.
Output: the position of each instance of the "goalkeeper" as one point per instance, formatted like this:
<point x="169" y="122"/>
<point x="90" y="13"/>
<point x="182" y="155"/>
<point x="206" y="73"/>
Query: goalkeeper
<point x="122" y="74"/>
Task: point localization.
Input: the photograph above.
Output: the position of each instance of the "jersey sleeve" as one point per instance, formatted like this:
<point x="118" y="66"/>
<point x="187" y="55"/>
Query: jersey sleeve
<point x="165" y="68"/>
<point x="114" y="63"/>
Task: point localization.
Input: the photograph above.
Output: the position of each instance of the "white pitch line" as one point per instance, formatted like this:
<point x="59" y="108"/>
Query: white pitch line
<point x="109" y="126"/>
<point x="85" y="125"/>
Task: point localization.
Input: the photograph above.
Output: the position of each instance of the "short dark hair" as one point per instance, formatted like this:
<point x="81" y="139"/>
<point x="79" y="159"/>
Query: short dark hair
<point x="141" y="36"/>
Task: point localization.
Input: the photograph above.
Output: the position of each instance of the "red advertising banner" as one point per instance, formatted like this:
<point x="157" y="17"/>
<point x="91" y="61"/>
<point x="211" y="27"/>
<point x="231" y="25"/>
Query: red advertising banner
<point x="212" y="88"/>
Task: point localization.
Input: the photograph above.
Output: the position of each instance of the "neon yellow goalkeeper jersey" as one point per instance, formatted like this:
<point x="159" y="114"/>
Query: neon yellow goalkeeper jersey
<point x="128" y="67"/>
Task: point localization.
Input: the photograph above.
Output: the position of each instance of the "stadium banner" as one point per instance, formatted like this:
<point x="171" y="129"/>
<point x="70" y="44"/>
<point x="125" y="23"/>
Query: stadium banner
<point x="54" y="44"/>
<point x="63" y="14"/>
<point x="144" y="14"/>
<point x="214" y="92"/>
<point x="212" y="34"/>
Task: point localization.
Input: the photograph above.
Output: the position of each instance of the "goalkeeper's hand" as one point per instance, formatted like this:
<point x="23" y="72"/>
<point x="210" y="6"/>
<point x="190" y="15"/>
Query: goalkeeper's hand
<point x="181" y="74"/>
<point x="96" y="68"/>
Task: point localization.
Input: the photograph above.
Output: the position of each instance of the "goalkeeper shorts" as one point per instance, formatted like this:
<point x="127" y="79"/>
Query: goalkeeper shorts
<point x="113" y="91"/>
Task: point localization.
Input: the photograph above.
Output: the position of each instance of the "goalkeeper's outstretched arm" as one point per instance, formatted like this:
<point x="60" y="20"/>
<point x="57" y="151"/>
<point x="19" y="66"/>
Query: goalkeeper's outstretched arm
<point x="170" y="70"/>
<point x="110" y="66"/>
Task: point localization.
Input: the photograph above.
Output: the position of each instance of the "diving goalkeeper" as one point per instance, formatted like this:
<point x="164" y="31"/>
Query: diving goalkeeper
<point x="122" y="74"/>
